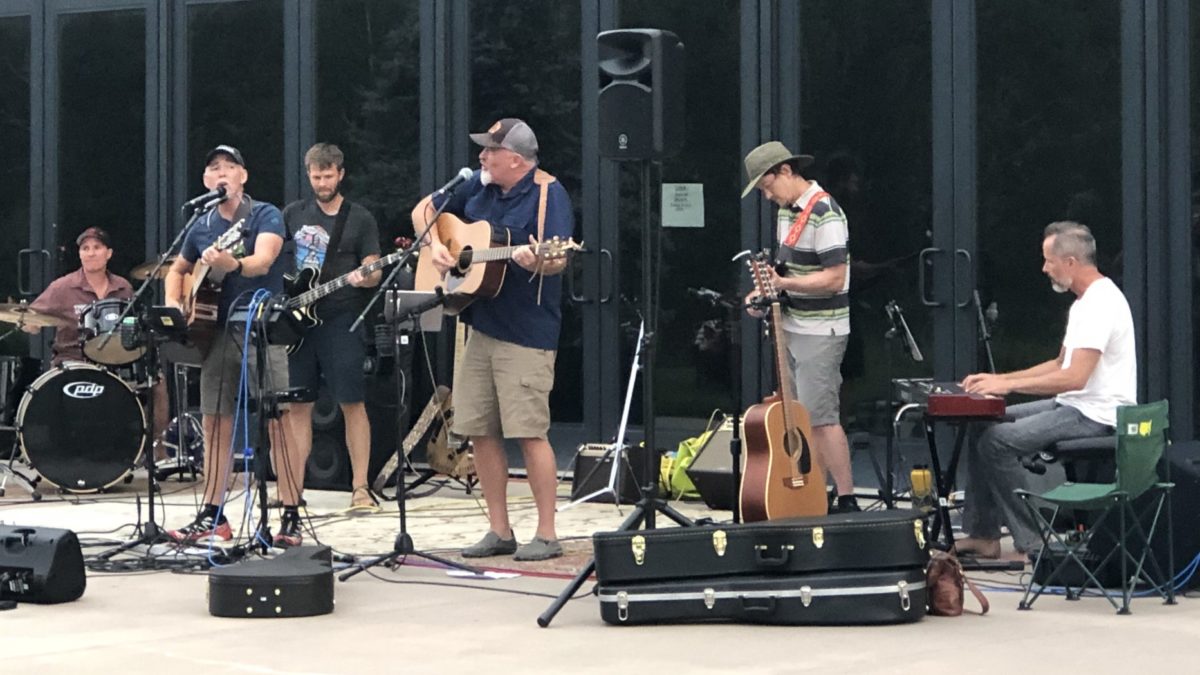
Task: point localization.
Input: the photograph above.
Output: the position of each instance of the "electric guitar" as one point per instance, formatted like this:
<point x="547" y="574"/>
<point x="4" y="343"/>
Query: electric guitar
<point x="783" y="477"/>
<point x="303" y="290"/>
<point x="204" y="292"/>
<point x="482" y="254"/>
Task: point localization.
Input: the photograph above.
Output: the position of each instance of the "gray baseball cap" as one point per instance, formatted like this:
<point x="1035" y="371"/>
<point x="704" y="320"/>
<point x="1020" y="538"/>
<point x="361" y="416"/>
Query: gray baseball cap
<point x="512" y="134"/>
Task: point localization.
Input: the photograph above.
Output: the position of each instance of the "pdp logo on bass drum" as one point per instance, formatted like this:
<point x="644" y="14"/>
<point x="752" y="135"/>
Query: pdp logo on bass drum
<point x="83" y="390"/>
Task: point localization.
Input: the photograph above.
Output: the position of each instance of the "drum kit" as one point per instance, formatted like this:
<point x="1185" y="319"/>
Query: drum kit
<point x="82" y="426"/>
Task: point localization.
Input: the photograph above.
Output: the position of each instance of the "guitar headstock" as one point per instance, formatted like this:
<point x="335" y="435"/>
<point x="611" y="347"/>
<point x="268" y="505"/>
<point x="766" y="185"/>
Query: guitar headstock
<point x="760" y="272"/>
<point x="231" y="237"/>
<point x="557" y="248"/>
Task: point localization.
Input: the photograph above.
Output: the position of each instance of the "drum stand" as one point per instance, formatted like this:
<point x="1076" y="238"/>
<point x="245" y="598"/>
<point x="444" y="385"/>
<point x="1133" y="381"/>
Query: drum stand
<point x="9" y="471"/>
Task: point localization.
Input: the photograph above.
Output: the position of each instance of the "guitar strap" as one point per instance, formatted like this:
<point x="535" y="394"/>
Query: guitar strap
<point x="339" y="226"/>
<point x="543" y="181"/>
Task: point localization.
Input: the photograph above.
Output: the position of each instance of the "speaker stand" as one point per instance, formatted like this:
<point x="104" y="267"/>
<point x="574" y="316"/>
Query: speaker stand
<point x="651" y="504"/>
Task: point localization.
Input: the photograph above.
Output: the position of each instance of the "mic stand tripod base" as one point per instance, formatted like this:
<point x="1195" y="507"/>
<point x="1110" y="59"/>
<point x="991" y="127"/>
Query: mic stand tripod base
<point x="404" y="547"/>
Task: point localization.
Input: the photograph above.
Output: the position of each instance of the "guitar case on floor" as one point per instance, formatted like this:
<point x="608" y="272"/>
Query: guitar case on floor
<point x="868" y="540"/>
<point x="826" y="598"/>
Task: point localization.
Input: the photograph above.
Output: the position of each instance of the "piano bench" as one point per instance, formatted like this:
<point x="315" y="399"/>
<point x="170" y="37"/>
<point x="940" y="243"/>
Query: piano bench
<point x="1097" y="454"/>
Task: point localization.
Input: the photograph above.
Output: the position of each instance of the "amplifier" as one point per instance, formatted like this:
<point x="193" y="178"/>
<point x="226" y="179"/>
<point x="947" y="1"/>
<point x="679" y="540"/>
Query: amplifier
<point x="297" y="582"/>
<point x="40" y="564"/>
<point x="592" y="470"/>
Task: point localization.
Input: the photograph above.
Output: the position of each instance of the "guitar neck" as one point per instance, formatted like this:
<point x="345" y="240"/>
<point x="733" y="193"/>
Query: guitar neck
<point x="786" y="390"/>
<point x="310" y="296"/>
<point x="501" y="253"/>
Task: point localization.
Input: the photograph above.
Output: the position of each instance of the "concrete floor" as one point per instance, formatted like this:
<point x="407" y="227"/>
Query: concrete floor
<point x="418" y="620"/>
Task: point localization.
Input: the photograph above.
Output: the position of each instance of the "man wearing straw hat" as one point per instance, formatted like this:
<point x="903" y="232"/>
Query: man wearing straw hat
<point x="814" y="256"/>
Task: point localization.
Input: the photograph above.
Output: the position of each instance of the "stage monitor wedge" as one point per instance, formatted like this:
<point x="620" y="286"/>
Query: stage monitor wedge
<point x="641" y="97"/>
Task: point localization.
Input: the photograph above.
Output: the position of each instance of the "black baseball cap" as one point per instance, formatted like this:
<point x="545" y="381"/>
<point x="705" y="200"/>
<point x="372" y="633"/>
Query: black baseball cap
<point x="232" y="152"/>
<point x="93" y="233"/>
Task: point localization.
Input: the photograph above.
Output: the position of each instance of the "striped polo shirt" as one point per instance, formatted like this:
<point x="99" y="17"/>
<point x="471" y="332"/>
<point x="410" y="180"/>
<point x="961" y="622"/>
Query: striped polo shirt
<point x="823" y="243"/>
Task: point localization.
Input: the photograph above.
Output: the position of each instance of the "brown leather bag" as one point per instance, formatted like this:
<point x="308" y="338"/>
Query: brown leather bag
<point x="944" y="580"/>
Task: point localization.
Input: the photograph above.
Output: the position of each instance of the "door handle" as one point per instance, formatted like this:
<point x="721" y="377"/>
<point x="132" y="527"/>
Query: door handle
<point x="24" y="283"/>
<point x="575" y="297"/>
<point x="607" y="297"/>
<point x="965" y="254"/>
<point x="924" y="259"/>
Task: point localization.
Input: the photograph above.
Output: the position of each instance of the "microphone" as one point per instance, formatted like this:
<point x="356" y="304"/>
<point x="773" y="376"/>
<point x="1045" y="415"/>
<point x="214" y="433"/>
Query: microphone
<point x="464" y="174"/>
<point x="216" y="196"/>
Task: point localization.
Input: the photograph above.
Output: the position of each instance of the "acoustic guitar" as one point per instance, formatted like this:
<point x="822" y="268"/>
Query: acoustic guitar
<point x="482" y="253"/>
<point x="783" y="477"/>
<point x="204" y="292"/>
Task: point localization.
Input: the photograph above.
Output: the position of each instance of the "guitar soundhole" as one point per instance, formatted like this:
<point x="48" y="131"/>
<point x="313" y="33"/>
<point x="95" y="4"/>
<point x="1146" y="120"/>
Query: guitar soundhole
<point x="464" y="262"/>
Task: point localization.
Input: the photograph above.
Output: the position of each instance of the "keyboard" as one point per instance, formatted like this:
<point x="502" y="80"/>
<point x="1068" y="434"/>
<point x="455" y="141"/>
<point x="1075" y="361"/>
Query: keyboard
<point x="947" y="399"/>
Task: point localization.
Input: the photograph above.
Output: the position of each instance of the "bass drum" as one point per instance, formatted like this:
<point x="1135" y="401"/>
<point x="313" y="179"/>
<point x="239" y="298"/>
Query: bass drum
<point x="81" y="428"/>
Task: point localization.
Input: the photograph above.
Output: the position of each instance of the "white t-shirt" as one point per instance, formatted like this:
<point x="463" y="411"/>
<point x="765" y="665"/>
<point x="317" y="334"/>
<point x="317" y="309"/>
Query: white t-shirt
<point x="1101" y="320"/>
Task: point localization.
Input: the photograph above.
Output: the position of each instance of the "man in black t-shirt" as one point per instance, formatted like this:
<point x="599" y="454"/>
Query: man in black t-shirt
<point x="335" y="243"/>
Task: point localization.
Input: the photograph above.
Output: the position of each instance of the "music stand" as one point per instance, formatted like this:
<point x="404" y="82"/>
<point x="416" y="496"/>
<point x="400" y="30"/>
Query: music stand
<point x="411" y="309"/>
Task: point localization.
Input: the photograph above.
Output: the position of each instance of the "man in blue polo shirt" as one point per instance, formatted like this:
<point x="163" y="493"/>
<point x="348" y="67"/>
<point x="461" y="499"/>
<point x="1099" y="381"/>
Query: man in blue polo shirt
<point x="251" y="265"/>
<point x="502" y="385"/>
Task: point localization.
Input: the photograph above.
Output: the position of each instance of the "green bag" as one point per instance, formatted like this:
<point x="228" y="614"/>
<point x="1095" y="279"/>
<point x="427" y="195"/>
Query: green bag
<point x="677" y="484"/>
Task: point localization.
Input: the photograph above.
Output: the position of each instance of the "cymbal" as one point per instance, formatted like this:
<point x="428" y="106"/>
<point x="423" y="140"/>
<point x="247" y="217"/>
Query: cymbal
<point x="142" y="271"/>
<point x="16" y="313"/>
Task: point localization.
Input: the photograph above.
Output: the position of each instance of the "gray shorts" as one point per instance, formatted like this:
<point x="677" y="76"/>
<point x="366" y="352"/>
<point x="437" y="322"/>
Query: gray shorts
<point x="817" y="373"/>
<point x="220" y="374"/>
<point x="502" y="389"/>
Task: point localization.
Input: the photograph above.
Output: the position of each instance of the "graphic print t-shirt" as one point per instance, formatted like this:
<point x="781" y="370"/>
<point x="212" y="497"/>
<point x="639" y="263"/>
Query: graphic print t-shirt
<point x="311" y="230"/>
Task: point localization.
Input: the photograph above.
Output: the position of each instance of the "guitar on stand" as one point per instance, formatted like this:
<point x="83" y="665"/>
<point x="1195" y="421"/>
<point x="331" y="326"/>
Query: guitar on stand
<point x="783" y="477"/>
<point x="475" y="245"/>
<point x="204" y="291"/>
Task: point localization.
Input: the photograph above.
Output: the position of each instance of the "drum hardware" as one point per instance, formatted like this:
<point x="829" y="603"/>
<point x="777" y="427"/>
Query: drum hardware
<point x="183" y="437"/>
<point x="23" y="315"/>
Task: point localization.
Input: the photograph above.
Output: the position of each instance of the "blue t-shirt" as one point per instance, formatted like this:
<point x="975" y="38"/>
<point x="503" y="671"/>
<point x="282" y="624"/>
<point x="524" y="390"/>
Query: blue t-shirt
<point x="263" y="218"/>
<point x="514" y="315"/>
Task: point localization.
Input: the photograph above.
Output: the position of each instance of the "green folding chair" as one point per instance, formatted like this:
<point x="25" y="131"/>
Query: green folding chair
<point x="1142" y="442"/>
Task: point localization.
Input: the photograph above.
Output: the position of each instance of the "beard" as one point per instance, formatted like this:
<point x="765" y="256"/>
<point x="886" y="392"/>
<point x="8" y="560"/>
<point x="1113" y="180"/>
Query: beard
<point x="329" y="196"/>
<point x="485" y="177"/>
<point x="1059" y="287"/>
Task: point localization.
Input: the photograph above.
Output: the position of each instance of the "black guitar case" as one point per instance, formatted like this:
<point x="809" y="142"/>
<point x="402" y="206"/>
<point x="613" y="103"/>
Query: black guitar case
<point x="869" y="540"/>
<point x="826" y="598"/>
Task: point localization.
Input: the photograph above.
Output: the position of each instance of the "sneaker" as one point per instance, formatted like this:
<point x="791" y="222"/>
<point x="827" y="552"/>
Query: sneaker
<point x="204" y="526"/>
<point x="362" y="501"/>
<point x="846" y="504"/>
<point x="290" y="532"/>
<point x="491" y="545"/>
<point x="539" y="549"/>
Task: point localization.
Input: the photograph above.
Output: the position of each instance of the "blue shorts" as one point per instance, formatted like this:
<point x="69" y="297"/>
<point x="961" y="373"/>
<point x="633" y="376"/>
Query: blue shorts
<point x="332" y="353"/>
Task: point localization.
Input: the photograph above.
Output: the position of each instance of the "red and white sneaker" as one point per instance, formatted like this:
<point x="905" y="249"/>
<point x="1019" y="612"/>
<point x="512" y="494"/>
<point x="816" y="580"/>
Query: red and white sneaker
<point x="290" y="532"/>
<point x="203" y="527"/>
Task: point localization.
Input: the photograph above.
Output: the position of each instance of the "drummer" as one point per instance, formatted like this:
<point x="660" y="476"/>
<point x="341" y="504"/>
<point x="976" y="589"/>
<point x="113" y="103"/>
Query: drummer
<point x="69" y="296"/>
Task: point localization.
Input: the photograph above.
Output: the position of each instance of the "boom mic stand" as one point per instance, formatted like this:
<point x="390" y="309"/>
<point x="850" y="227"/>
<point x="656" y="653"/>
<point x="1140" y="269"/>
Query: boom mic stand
<point x="401" y="313"/>
<point x="985" y="334"/>
<point x="150" y="532"/>
<point x="650" y="504"/>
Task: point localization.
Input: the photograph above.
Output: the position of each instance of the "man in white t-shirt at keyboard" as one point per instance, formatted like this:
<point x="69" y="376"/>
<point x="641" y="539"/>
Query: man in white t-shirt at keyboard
<point x="1095" y="371"/>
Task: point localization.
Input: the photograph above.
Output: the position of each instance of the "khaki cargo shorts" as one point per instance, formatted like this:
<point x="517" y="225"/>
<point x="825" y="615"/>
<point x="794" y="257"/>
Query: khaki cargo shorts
<point x="502" y="389"/>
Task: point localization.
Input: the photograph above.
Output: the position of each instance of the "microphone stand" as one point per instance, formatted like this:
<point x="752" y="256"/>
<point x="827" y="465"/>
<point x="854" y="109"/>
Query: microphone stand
<point x="151" y="532"/>
<point x="985" y="335"/>
<point x="408" y="254"/>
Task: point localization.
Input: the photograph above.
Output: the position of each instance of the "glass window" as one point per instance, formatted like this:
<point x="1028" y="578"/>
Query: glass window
<point x="235" y="89"/>
<point x="694" y="354"/>
<point x="367" y="102"/>
<point x="1195" y="129"/>
<point x="14" y="171"/>
<point x="1049" y="149"/>
<point x="525" y="63"/>
<point x="102" y="134"/>
<point x="865" y="117"/>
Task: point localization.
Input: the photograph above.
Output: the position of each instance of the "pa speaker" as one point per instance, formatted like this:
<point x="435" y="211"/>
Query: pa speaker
<point x="40" y="564"/>
<point x="641" y="93"/>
